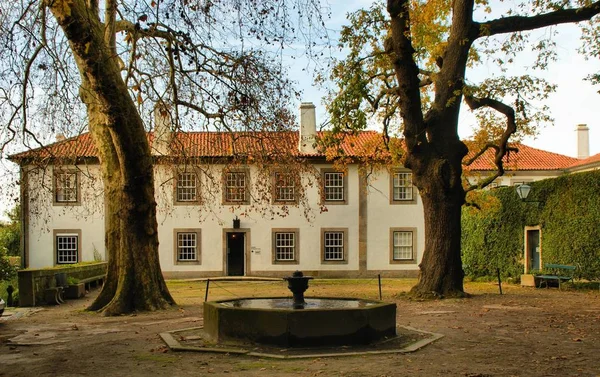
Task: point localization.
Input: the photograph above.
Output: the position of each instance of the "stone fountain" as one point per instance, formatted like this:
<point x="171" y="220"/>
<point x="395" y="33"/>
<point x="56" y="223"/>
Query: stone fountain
<point x="299" y="321"/>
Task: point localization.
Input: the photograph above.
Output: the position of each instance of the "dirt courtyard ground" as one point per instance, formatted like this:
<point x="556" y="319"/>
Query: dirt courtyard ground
<point x="525" y="332"/>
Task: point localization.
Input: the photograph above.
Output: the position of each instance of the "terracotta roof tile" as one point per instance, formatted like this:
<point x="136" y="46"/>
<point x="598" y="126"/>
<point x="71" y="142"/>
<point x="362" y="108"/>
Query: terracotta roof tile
<point x="527" y="158"/>
<point x="212" y="144"/>
<point x="225" y="144"/>
<point x="590" y="160"/>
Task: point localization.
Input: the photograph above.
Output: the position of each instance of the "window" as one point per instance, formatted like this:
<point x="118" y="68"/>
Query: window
<point x="285" y="246"/>
<point x="333" y="245"/>
<point x="402" y="242"/>
<point x="402" y="187"/>
<point x="334" y="186"/>
<point x="187" y="246"/>
<point x="66" y="187"/>
<point x="187" y="187"/>
<point x="67" y="246"/>
<point x="236" y="187"/>
<point x="284" y="187"/>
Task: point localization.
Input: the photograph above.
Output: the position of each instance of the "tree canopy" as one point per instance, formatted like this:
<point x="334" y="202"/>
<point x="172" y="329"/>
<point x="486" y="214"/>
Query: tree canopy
<point x="75" y="64"/>
<point x="407" y="64"/>
<point x="368" y="89"/>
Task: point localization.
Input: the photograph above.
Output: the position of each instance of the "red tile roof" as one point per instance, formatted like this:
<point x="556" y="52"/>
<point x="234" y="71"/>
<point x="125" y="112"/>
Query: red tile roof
<point x="225" y="144"/>
<point x="213" y="144"/>
<point x="527" y="158"/>
<point x="590" y="160"/>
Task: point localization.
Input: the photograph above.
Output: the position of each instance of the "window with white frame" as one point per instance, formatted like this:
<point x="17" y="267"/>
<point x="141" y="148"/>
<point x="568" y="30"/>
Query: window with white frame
<point x="187" y="187"/>
<point x="285" y="190"/>
<point x="67" y="248"/>
<point x="285" y="246"/>
<point x="236" y="187"/>
<point x="334" y="186"/>
<point x="65" y="187"/>
<point x="187" y="246"/>
<point x="333" y="245"/>
<point x="402" y="186"/>
<point x="402" y="245"/>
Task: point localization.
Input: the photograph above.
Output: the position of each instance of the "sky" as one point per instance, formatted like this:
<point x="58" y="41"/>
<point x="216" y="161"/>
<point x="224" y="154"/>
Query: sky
<point x="575" y="101"/>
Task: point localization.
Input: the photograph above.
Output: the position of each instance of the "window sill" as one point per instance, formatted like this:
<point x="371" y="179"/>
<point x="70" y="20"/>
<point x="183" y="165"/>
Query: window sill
<point x="334" y="262"/>
<point x="187" y="262"/>
<point x="403" y="261"/>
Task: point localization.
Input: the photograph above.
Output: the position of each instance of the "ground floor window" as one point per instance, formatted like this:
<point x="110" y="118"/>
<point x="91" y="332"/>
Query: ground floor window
<point x="67" y="246"/>
<point x="285" y="245"/>
<point x="402" y="245"/>
<point x="187" y="245"/>
<point x="333" y="245"/>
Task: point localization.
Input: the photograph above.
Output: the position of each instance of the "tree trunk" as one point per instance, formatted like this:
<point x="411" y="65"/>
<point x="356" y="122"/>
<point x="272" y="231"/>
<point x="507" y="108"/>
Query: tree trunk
<point x="134" y="280"/>
<point x="437" y="169"/>
<point x="441" y="267"/>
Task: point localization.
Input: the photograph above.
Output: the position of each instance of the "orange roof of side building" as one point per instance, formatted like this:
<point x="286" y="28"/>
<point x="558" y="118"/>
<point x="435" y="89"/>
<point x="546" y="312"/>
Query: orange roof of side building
<point x="590" y="162"/>
<point x="527" y="158"/>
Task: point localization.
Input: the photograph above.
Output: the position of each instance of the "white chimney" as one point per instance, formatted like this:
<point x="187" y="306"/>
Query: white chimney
<point x="162" y="129"/>
<point x="307" y="141"/>
<point x="583" y="141"/>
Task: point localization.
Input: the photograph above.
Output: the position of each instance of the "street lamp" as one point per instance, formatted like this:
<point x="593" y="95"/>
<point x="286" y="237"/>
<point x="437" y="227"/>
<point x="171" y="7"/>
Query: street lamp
<point x="523" y="191"/>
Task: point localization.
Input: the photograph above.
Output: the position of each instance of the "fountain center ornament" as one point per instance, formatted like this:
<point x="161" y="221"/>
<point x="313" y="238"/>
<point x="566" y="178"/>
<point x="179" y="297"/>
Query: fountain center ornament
<point x="298" y="284"/>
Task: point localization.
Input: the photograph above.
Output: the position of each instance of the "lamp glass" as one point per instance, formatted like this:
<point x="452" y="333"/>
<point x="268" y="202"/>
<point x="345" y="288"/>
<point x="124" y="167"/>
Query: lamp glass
<point x="523" y="191"/>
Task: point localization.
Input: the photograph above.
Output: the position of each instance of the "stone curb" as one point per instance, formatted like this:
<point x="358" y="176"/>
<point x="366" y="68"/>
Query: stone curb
<point x="175" y="345"/>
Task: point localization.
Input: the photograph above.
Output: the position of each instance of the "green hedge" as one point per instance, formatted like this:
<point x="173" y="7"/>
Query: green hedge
<point x="569" y="216"/>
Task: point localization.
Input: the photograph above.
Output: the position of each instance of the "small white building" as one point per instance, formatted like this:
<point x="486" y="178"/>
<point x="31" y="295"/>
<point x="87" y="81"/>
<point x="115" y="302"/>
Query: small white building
<point x="225" y="209"/>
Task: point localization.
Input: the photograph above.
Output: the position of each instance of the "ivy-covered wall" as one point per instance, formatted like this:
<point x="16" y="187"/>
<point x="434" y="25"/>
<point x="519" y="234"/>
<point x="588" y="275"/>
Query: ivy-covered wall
<point x="569" y="216"/>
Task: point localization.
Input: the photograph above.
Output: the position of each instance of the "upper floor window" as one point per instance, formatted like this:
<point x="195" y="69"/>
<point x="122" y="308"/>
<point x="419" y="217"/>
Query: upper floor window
<point x="334" y="186"/>
<point x="187" y="187"/>
<point x="66" y="187"/>
<point x="236" y="187"/>
<point x="284" y="187"/>
<point x="401" y="187"/>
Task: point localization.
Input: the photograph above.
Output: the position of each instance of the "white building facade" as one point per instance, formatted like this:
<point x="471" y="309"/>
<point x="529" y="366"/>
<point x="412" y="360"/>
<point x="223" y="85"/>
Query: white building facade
<point x="218" y="218"/>
<point x="221" y="211"/>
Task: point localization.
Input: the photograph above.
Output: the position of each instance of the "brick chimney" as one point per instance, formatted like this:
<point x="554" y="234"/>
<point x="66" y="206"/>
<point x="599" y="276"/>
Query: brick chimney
<point x="583" y="141"/>
<point x="162" y="129"/>
<point x="307" y="142"/>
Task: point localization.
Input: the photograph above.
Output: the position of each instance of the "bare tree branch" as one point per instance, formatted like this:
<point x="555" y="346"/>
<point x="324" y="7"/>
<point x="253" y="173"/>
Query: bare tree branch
<point x="502" y="148"/>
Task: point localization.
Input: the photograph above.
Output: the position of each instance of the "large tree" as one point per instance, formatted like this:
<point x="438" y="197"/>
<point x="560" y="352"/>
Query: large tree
<point x="407" y="64"/>
<point x="213" y="64"/>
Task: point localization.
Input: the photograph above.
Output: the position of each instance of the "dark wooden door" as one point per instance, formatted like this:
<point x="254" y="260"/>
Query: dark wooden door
<point x="235" y="254"/>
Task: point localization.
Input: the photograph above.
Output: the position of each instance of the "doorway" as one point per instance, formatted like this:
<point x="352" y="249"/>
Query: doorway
<point x="236" y="242"/>
<point x="533" y="256"/>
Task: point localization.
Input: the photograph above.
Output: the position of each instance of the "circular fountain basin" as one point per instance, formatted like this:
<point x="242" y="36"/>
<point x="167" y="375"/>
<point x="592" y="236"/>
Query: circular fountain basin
<point x="322" y="321"/>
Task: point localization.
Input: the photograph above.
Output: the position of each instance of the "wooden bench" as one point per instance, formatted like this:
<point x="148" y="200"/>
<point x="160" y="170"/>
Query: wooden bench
<point x="557" y="272"/>
<point x="93" y="281"/>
